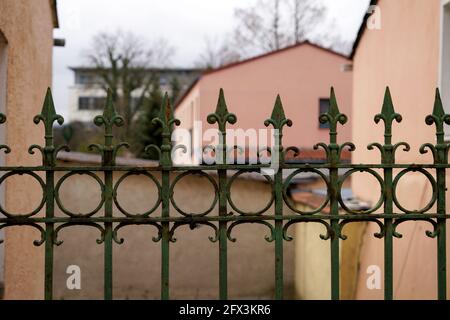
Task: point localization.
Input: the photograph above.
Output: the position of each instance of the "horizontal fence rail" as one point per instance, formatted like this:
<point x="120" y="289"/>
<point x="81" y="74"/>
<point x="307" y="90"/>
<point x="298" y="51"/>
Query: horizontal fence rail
<point x="223" y="216"/>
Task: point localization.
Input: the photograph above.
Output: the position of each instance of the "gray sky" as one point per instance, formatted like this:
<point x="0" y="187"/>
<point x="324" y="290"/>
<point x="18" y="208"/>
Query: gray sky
<point x="185" y="23"/>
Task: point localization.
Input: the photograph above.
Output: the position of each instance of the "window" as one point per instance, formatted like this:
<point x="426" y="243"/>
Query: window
<point x="163" y="81"/>
<point x="87" y="78"/>
<point x="324" y="105"/>
<point x="445" y="59"/>
<point x="83" y="78"/>
<point x="91" y="103"/>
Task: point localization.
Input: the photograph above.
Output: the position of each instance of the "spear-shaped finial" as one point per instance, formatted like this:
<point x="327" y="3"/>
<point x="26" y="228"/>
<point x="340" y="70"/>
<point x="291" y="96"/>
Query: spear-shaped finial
<point x="166" y="120"/>
<point x="388" y="115"/>
<point x="388" y="108"/>
<point x="438" y="117"/>
<point x="333" y="116"/>
<point x="438" y="109"/>
<point x="221" y="115"/>
<point x="166" y="116"/>
<point x="165" y="112"/>
<point x="221" y="108"/>
<point x="334" y="109"/>
<point x="48" y="116"/>
<point x="278" y="119"/>
<point x="109" y="118"/>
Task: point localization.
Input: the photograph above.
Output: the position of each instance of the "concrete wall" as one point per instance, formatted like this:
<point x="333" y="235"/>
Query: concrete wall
<point x="27" y="27"/>
<point x="301" y="75"/>
<point x="404" y="54"/>
<point x="193" y="258"/>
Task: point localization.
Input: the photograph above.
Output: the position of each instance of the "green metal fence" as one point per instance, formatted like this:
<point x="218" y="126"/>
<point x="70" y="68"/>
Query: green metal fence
<point x="223" y="215"/>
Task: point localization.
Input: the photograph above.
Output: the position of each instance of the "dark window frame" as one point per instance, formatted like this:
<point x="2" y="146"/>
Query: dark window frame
<point x="324" y="106"/>
<point x="91" y="103"/>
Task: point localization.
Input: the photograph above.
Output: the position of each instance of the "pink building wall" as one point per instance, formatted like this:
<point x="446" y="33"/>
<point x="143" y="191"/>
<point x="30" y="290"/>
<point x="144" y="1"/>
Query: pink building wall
<point x="301" y="75"/>
<point x="403" y="54"/>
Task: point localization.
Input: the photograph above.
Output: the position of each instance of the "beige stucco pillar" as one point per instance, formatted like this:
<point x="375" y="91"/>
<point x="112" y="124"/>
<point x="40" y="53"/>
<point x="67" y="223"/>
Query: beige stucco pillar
<point x="27" y="27"/>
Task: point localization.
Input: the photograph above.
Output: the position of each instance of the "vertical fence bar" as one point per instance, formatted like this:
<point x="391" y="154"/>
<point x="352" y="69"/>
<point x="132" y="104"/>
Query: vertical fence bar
<point x="165" y="211"/>
<point x="388" y="237"/>
<point x="278" y="120"/>
<point x="166" y="120"/>
<point x="221" y="116"/>
<point x="48" y="116"/>
<point x="279" y="283"/>
<point x="223" y="253"/>
<point x="108" y="254"/>
<point x="223" y="241"/>
<point x="108" y="119"/>
<point x="387" y="158"/>
<point x="333" y="116"/>
<point x="334" y="245"/>
<point x="439" y="117"/>
<point x="165" y="179"/>
<point x="441" y="224"/>
<point x="49" y="231"/>
<point x="388" y="115"/>
<point x="108" y="160"/>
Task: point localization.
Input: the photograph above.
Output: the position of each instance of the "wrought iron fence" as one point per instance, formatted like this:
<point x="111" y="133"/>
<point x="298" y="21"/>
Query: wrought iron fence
<point x="227" y="216"/>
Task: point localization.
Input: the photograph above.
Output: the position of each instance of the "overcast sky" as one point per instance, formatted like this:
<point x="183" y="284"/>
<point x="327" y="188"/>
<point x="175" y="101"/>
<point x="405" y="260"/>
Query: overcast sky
<point x="184" y="23"/>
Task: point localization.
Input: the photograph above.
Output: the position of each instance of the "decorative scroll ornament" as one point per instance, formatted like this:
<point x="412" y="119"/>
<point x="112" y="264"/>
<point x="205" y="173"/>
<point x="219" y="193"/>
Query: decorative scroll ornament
<point x="48" y="116"/>
<point x="333" y="150"/>
<point x="166" y="120"/>
<point x="109" y="119"/>
<point x="388" y="115"/>
<point x="439" y="118"/>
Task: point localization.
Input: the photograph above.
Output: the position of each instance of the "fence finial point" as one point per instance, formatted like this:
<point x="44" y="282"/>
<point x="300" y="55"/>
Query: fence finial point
<point x="438" y="109"/>
<point x="221" y="108"/>
<point x="334" y="108"/>
<point x="48" y="113"/>
<point x="388" y="107"/>
<point x="278" y="118"/>
<point x="221" y="115"/>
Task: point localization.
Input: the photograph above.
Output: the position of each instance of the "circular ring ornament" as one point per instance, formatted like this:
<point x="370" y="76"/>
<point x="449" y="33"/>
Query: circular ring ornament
<point x="289" y="202"/>
<point x="79" y="215"/>
<point x="244" y="213"/>
<point x="146" y="213"/>
<point x="200" y="173"/>
<point x="41" y="204"/>
<point x="380" y="200"/>
<point x="430" y="178"/>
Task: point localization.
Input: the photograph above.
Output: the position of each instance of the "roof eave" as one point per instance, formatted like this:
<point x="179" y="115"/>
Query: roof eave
<point x="238" y="63"/>
<point x="362" y="28"/>
<point x="54" y="8"/>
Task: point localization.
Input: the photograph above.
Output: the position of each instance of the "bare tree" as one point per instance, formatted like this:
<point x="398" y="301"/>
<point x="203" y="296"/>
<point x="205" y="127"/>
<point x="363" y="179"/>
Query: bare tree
<point x="126" y="65"/>
<point x="332" y="40"/>
<point x="259" y="28"/>
<point x="306" y="14"/>
<point x="217" y="53"/>
<point x="276" y="24"/>
<point x="273" y="24"/>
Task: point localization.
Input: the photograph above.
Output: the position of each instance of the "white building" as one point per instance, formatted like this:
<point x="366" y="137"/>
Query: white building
<point x="87" y="97"/>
